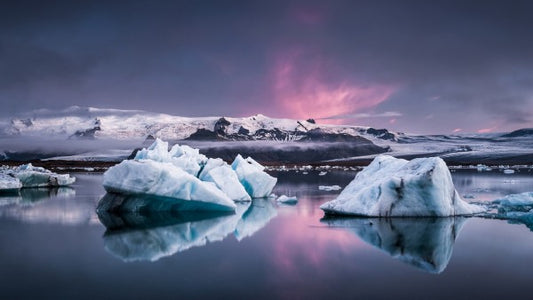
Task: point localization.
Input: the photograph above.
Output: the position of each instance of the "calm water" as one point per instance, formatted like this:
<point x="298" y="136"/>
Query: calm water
<point x="53" y="245"/>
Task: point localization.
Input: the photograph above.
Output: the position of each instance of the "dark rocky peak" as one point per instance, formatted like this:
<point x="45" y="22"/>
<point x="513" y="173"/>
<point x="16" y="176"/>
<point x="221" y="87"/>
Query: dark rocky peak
<point x="312" y="121"/>
<point x="221" y="126"/>
<point x="383" y="134"/>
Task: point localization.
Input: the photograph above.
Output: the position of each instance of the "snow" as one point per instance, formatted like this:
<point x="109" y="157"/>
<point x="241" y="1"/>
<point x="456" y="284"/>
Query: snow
<point x="287" y="200"/>
<point x="251" y="174"/>
<point x="30" y="176"/>
<point x="329" y="188"/>
<point x="148" y="177"/>
<point x="391" y="187"/>
<point x="424" y="243"/>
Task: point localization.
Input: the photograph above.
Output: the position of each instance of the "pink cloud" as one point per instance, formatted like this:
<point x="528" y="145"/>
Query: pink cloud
<point x="487" y="130"/>
<point x="305" y="93"/>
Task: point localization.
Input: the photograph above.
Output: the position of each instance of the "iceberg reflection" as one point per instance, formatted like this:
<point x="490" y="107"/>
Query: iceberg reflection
<point x="151" y="235"/>
<point x="425" y="243"/>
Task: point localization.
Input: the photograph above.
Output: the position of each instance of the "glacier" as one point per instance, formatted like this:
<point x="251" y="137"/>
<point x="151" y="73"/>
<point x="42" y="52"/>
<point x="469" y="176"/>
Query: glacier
<point x="9" y="183"/>
<point x="184" y="179"/>
<point x="391" y="187"/>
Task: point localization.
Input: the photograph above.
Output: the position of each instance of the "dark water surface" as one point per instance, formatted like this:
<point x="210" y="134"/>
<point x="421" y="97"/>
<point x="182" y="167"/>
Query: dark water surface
<point x="53" y="245"/>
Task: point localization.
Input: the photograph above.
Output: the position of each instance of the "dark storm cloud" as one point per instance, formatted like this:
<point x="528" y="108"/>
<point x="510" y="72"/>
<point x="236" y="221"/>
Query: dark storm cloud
<point x="437" y="66"/>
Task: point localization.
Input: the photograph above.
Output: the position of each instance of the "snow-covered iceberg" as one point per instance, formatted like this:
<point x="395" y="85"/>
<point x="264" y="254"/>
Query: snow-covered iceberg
<point x="391" y="187"/>
<point x="287" y="200"/>
<point x="177" y="189"/>
<point x="192" y="180"/>
<point x="251" y="174"/>
<point x="425" y="243"/>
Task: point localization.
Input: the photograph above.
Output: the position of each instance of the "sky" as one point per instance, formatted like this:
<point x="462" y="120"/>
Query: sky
<point x="411" y="66"/>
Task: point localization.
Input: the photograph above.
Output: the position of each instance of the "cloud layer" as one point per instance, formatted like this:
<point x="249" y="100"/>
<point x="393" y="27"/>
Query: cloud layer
<point x="438" y="66"/>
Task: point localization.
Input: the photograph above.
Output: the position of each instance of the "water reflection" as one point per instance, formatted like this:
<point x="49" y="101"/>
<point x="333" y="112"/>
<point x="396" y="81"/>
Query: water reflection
<point x="149" y="236"/>
<point x="425" y="243"/>
<point x="46" y="205"/>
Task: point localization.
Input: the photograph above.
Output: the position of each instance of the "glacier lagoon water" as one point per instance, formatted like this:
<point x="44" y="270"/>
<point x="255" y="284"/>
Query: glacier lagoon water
<point x="54" y="245"/>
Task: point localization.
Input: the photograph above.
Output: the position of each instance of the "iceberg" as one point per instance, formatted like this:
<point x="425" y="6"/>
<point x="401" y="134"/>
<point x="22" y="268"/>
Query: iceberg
<point x="28" y="176"/>
<point x="424" y="243"/>
<point x="223" y="176"/>
<point x="287" y="200"/>
<point x="9" y="183"/>
<point x="186" y="158"/>
<point x="391" y="187"/>
<point x="182" y="178"/>
<point x="177" y="188"/>
<point x="251" y="174"/>
<point x="516" y="208"/>
<point x="329" y="188"/>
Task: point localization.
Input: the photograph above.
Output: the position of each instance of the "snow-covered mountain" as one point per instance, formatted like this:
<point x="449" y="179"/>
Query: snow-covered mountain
<point x="89" y="123"/>
<point x="94" y="134"/>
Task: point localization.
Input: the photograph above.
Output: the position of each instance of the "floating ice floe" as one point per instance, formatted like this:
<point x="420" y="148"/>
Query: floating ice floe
<point x="329" y="188"/>
<point x="287" y="200"/>
<point x="391" y="187"/>
<point x="184" y="179"/>
<point x="28" y="176"/>
<point x="322" y="173"/>
<point x="508" y="171"/>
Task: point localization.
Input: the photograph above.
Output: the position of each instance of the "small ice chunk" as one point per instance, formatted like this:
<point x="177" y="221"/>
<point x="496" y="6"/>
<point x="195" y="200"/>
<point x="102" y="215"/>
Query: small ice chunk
<point x="148" y="177"/>
<point x="329" y="188"/>
<point x="287" y="200"/>
<point x="508" y="171"/>
<point x="257" y="183"/>
<point x="322" y="173"/>
<point x="391" y="187"/>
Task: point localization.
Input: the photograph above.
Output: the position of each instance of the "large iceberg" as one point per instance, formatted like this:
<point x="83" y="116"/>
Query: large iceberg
<point x="391" y="187"/>
<point x="184" y="179"/>
<point x="181" y="190"/>
<point x="252" y="176"/>
<point x="425" y="243"/>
